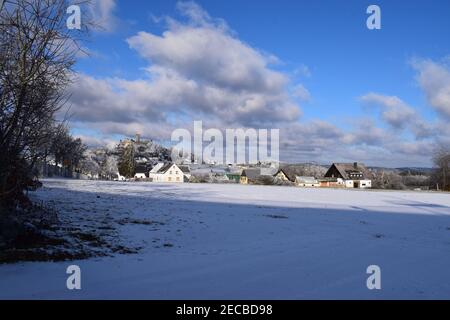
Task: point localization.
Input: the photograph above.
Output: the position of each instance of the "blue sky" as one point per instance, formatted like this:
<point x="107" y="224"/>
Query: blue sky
<point x="378" y="96"/>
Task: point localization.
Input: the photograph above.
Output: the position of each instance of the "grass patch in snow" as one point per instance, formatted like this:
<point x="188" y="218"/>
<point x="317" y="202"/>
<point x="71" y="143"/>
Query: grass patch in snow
<point x="275" y="216"/>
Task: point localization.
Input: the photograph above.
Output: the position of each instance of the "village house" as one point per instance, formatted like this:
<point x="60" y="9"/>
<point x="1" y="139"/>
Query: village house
<point x="141" y="172"/>
<point x="218" y="177"/>
<point x="169" y="172"/>
<point x="349" y="175"/>
<point x="250" y="175"/>
<point x="283" y="175"/>
<point x="255" y="175"/>
<point x="234" y="177"/>
<point x="306" y="182"/>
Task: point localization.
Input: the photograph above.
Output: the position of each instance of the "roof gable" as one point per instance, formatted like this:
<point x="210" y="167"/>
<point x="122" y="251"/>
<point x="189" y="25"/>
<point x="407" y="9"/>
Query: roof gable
<point x="289" y="175"/>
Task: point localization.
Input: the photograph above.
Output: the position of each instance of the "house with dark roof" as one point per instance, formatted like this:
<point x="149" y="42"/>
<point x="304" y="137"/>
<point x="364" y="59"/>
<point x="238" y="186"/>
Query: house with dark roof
<point x="255" y="175"/>
<point x="284" y="175"/>
<point x="250" y="175"/>
<point x="349" y="175"/>
<point x="141" y="172"/>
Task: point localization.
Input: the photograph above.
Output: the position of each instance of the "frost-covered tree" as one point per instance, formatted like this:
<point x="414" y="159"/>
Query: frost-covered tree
<point x="109" y="167"/>
<point x="387" y="179"/>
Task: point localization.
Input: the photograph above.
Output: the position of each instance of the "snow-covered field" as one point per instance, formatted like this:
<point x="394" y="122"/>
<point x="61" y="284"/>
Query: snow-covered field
<point x="207" y="241"/>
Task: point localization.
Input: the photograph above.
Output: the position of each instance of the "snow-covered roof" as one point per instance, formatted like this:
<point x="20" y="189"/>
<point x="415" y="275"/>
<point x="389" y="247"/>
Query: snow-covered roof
<point x="156" y="168"/>
<point x="165" y="167"/>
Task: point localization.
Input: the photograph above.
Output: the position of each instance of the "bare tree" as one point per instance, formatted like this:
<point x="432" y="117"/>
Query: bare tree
<point x="441" y="159"/>
<point x="36" y="57"/>
<point x="66" y="150"/>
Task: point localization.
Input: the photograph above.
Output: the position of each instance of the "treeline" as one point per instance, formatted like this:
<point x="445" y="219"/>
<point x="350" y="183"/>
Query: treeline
<point x="441" y="175"/>
<point x="37" y="53"/>
<point x="437" y="178"/>
<point x="132" y="154"/>
<point x="400" y="180"/>
<point x="129" y="155"/>
<point x="99" y="163"/>
<point x="63" y="151"/>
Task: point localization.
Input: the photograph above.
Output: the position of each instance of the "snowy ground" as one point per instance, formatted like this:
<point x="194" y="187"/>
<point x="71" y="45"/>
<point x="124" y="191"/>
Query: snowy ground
<point x="206" y="241"/>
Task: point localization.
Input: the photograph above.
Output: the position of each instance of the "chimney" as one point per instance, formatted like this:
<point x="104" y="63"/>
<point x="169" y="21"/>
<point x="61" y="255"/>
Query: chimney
<point x="355" y="165"/>
<point x="138" y="138"/>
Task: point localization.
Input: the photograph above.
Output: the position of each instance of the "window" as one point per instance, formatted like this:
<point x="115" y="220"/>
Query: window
<point x="178" y="178"/>
<point x="170" y="178"/>
<point x="170" y="172"/>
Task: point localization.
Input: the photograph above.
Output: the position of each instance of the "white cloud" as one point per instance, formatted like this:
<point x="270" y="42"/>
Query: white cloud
<point x="393" y="110"/>
<point x="210" y="56"/>
<point x="96" y="142"/>
<point x="301" y="93"/>
<point x="398" y="114"/>
<point x="367" y="133"/>
<point x="199" y="69"/>
<point x="198" y="16"/>
<point x="434" y="79"/>
<point x="101" y="14"/>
